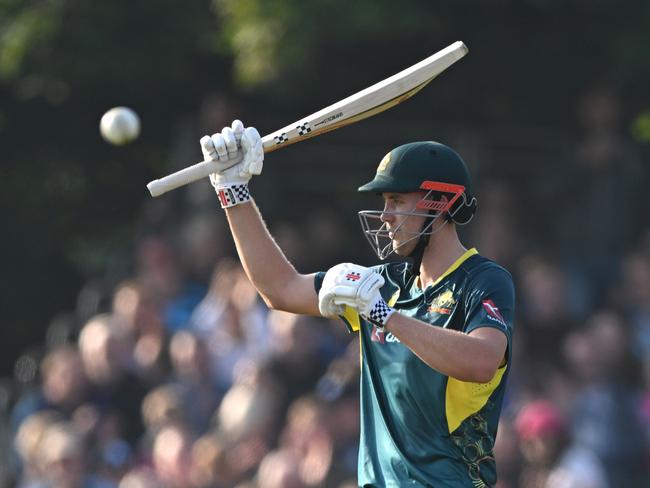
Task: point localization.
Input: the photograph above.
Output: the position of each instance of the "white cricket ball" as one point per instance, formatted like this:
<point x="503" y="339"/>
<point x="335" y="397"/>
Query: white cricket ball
<point x="120" y="125"/>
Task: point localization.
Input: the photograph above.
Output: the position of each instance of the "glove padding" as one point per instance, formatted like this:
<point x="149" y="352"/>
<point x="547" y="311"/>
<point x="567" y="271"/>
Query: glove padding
<point x="352" y="285"/>
<point x="229" y="144"/>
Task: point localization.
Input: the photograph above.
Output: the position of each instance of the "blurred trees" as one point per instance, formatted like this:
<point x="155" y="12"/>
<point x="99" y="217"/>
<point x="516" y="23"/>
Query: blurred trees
<point x="69" y="201"/>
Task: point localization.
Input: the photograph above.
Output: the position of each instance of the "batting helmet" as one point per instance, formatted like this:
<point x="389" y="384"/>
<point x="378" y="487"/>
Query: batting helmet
<point x="428" y="167"/>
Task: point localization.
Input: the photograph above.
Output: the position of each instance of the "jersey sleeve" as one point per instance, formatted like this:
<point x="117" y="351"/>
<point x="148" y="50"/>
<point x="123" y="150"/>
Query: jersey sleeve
<point x="491" y="302"/>
<point x="350" y="316"/>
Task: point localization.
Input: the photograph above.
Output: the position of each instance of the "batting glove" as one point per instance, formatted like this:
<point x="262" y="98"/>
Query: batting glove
<point x="357" y="287"/>
<point x="231" y="184"/>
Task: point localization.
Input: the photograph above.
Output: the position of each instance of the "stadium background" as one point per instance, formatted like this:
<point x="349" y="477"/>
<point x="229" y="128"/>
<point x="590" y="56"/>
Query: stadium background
<point x="116" y="365"/>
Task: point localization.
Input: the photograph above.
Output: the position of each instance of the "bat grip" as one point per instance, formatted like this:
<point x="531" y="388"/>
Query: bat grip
<point x="189" y="175"/>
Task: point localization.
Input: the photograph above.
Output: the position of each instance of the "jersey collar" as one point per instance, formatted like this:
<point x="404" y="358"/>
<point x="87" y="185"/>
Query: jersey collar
<point x="466" y="255"/>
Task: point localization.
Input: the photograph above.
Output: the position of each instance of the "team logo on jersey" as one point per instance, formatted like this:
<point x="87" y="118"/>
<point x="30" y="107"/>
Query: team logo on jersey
<point x="443" y="303"/>
<point x="493" y="312"/>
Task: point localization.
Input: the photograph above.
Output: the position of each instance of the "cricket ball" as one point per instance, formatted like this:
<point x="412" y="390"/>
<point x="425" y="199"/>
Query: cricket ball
<point x="119" y="126"/>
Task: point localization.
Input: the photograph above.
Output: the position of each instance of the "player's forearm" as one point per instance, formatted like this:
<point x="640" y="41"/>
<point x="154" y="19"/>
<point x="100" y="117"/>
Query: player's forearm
<point x="455" y="354"/>
<point x="264" y="262"/>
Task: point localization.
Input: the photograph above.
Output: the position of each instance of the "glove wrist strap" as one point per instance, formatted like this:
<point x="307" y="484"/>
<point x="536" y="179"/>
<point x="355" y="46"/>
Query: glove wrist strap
<point x="379" y="314"/>
<point x="231" y="194"/>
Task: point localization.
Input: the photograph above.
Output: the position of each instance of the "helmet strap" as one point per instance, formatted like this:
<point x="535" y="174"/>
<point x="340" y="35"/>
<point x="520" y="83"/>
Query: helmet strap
<point x="418" y="251"/>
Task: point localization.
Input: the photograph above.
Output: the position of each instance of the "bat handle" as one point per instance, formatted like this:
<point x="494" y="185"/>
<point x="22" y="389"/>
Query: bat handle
<point x="189" y="175"/>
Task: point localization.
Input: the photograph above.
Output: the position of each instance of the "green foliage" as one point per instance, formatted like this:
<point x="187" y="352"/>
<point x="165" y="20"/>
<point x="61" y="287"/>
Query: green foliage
<point x="25" y="30"/>
<point x="272" y="38"/>
<point x="640" y="128"/>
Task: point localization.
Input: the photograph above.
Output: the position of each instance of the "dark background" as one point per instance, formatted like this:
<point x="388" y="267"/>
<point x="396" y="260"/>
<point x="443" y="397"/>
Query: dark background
<point x="69" y="201"/>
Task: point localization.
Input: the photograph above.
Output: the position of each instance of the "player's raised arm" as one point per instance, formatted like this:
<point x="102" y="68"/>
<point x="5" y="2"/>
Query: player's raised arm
<point x="275" y="278"/>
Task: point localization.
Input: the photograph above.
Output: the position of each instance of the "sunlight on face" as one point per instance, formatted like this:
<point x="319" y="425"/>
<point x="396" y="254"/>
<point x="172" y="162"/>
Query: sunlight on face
<point x="402" y="228"/>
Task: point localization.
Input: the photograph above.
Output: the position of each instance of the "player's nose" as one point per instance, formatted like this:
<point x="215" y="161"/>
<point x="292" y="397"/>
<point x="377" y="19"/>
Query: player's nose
<point x="387" y="215"/>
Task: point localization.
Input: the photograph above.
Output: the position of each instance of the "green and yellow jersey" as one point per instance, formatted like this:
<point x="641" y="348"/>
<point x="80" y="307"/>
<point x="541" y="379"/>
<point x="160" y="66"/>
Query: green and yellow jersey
<point x="418" y="426"/>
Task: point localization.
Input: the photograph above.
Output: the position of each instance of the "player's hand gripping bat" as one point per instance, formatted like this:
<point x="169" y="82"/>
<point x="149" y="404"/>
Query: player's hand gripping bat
<point x="366" y="103"/>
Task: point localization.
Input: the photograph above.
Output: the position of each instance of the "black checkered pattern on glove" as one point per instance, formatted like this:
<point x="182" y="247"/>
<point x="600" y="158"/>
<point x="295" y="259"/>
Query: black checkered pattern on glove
<point x="234" y="194"/>
<point x="379" y="314"/>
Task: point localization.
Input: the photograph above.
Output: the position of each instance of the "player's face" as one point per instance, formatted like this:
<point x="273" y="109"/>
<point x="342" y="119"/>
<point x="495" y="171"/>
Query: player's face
<point x="402" y="227"/>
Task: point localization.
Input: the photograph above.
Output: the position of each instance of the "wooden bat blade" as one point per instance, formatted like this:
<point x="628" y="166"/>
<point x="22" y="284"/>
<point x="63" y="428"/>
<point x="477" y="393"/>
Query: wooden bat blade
<point x="366" y="103"/>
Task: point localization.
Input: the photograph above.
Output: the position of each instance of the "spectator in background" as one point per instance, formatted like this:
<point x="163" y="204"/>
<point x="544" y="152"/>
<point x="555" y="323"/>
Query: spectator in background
<point x="210" y="466"/>
<point x="61" y="453"/>
<point x="171" y="456"/>
<point x="280" y="469"/>
<point x="601" y="197"/>
<point x="139" y="318"/>
<point x="547" y="317"/>
<point x="296" y="342"/>
<point x="607" y="404"/>
<point x="193" y="376"/>
<point x="247" y="418"/>
<point x="634" y="296"/>
<point x="306" y="437"/>
<point x="106" y="352"/>
<point x="507" y="453"/>
<point x="232" y="322"/>
<point x="202" y="244"/>
<point x="140" y="478"/>
<point x="160" y="272"/>
<point x="64" y="386"/>
<point x="553" y="461"/>
<point x="27" y="444"/>
<point x="337" y="393"/>
<point x="162" y="407"/>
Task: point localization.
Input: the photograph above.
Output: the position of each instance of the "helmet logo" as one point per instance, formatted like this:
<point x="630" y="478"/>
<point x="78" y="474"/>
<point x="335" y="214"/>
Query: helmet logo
<point x="384" y="163"/>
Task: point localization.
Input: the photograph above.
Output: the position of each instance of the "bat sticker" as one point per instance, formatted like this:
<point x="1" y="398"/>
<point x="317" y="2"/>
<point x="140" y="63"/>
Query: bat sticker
<point x="329" y="119"/>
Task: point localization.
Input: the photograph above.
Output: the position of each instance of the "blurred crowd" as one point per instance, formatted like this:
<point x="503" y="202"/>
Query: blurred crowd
<point x="178" y="376"/>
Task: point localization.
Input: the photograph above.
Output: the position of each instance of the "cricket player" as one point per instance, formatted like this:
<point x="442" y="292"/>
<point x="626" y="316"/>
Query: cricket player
<point x="435" y="332"/>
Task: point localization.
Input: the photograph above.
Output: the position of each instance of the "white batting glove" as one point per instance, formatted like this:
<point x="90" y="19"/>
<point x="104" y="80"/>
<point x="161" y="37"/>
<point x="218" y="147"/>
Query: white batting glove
<point x="355" y="286"/>
<point x="231" y="184"/>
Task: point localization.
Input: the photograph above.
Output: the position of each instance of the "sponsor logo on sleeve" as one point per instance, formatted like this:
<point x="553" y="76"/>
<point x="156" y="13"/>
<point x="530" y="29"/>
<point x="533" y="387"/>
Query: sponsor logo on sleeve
<point x="493" y="312"/>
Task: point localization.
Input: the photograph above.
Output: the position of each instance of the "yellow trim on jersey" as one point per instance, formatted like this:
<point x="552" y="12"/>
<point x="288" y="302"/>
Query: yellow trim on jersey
<point x="466" y="255"/>
<point x="351" y="317"/>
<point x="392" y="300"/>
<point x="465" y="398"/>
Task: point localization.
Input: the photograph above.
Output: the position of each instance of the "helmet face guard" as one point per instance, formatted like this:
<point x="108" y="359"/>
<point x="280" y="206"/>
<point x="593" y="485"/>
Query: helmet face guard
<point x="437" y="201"/>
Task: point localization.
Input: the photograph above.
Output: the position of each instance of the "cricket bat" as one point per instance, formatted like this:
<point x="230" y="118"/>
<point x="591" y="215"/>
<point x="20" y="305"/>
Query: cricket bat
<point x="366" y="103"/>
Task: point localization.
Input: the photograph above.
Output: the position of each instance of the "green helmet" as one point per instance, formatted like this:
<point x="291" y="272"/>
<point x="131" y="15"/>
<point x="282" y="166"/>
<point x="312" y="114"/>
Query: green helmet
<point x="429" y="167"/>
<point x="407" y="167"/>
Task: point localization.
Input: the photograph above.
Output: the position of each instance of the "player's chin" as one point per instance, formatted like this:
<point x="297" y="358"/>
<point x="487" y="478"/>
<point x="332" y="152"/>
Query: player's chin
<point x="403" y="249"/>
